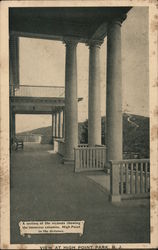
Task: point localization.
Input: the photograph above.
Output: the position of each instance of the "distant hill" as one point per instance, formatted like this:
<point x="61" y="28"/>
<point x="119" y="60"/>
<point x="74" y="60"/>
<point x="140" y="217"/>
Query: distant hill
<point x="44" y="132"/>
<point x="47" y="131"/>
<point x="135" y="134"/>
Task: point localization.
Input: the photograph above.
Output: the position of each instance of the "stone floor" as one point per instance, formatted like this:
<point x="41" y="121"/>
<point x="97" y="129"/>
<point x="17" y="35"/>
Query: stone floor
<point x="44" y="189"/>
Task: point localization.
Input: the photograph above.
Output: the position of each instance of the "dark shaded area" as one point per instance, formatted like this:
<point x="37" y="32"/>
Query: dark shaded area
<point x="135" y="135"/>
<point x="81" y="22"/>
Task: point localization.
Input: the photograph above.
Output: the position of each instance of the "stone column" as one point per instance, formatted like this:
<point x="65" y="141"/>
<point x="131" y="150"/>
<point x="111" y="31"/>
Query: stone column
<point x="71" y="101"/>
<point x="94" y="102"/>
<point x="114" y="92"/>
<point x="59" y="124"/>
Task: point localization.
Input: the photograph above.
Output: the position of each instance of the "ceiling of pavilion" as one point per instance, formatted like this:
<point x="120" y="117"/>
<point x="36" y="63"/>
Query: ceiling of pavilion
<point x="83" y="23"/>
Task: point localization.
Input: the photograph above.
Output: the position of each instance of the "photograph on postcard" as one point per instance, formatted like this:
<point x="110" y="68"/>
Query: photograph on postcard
<point x="79" y="124"/>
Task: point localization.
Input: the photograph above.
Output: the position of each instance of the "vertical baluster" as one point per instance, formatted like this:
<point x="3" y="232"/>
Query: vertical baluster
<point x="76" y="163"/>
<point x="84" y="158"/>
<point x="126" y="178"/>
<point x="97" y="158"/>
<point x="121" y="178"/>
<point x="90" y="157"/>
<point x="87" y="149"/>
<point x="141" y="178"/>
<point x="101" y="153"/>
<point x="80" y="158"/>
<point x="136" y="179"/>
<point x="100" y="158"/>
<point x="93" y="156"/>
<point x="104" y="154"/>
<point x="146" y="177"/>
<point x="131" y="179"/>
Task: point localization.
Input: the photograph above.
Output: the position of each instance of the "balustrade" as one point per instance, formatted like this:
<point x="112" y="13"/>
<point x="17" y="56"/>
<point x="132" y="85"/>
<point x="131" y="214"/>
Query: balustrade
<point x="38" y="91"/>
<point x="134" y="177"/>
<point x="89" y="158"/>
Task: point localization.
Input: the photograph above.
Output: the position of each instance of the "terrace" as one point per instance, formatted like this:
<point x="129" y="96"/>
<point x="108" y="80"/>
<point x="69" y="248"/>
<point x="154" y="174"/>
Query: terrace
<point x="40" y="182"/>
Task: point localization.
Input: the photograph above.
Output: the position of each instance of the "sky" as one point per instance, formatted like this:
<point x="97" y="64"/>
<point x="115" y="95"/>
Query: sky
<point x="42" y="62"/>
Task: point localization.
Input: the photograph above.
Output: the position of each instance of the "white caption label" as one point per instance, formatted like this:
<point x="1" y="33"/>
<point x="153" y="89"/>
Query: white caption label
<point x="51" y="227"/>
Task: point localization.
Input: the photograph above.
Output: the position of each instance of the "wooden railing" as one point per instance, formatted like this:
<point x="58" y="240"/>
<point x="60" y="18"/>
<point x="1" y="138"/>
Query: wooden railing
<point x="130" y="178"/>
<point x="39" y="91"/>
<point x="89" y="158"/>
<point x="82" y="145"/>
<point x="30" y="138"/>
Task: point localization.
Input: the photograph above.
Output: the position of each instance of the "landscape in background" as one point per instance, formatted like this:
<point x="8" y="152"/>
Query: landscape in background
<point x="135" y="135"/>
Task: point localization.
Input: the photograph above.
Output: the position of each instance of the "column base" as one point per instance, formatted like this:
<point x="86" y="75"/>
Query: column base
<point x="68" y="161"/>
<point x="115" y="198"/>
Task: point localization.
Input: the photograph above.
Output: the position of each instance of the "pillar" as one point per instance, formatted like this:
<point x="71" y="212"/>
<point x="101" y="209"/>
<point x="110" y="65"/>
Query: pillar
<point x="71" y="101"/>
<point x="114" y="126"/>
<point x="114" y="92"/>
<point x="94" y="102"/>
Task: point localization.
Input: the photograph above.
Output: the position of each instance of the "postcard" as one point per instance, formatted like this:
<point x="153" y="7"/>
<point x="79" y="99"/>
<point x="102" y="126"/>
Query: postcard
<point x="79" y="124"/>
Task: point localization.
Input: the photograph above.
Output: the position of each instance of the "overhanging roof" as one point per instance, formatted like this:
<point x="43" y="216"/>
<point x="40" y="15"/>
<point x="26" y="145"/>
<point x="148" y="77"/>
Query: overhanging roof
<point x="83" y="23"/>
<point x="37" y="105"/>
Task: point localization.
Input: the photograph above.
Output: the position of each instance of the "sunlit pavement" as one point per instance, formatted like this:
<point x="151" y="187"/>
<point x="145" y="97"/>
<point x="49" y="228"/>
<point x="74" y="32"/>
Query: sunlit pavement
<point x="42" y="188"/>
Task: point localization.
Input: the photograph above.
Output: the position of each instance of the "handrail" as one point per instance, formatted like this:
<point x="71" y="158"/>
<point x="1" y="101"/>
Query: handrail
<point x="88" y="148"/>
<point x="129" y="161"/>
<point x="41" y="86"/>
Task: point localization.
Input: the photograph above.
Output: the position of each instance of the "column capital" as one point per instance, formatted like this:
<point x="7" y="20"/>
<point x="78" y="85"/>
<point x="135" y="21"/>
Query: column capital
<point x="94" y="43"/>
<point x="70" y="42"/>
<point x="118" y="20"/>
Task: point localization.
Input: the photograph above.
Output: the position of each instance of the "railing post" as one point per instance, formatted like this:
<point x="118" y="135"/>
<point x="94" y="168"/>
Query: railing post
<point x="114" y="182"/>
